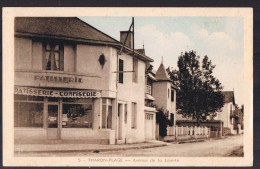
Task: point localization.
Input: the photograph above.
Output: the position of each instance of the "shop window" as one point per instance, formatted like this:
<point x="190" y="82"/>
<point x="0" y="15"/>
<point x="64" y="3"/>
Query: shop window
<point x="109" y="117"/>
<point x="104" y="116"/>
<point x="135" y="70"/>
<point x="106" y="113"/>
<point x="77" y="115"/>
<point x="20" y="97"/>
<point x="28" y="114"/>
<point x="27" y="98"/>
<point x="53" y="99"/>
<point x="134" y="114"/>
<point x="77" y="100"/>
<point x="53" y="57"/>
<point x="121" y="71"/>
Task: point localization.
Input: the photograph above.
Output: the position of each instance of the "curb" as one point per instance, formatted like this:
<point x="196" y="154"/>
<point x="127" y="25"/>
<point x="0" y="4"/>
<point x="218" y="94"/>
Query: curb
<point x="96" y="150"/>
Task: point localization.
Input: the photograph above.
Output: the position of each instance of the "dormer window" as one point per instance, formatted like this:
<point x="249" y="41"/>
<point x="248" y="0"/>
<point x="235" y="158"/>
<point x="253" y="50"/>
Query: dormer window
<point x="53" y="57"/>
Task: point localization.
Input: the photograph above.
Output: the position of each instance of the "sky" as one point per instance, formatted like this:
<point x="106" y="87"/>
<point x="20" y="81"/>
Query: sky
<point x="220" y="38"/>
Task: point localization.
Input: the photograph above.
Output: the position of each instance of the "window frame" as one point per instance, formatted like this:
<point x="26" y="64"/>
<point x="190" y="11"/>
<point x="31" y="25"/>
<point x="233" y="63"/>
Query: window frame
<point x="121" y="71"/>
<point x="79" y="103"/>
<point x="52" y="59"/>
<point x="29" y="100"/>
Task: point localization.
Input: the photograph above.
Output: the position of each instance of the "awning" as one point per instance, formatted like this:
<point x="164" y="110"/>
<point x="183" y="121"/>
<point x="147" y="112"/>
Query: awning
<point x="30" y="91"/>
<point x="149" y="97"/>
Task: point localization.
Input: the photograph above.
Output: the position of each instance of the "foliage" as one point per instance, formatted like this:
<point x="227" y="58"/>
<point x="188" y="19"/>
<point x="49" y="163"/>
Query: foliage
<point x="199" y="94"/>
<point x="162" y="120"/>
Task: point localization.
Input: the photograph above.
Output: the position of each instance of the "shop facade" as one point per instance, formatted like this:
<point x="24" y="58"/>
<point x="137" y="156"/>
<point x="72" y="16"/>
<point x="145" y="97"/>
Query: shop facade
<point x="69" y="86"/>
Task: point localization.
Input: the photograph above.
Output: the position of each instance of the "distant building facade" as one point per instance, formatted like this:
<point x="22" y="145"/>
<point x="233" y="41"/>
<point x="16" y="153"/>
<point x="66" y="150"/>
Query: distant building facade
<point x="230" y="115"/>
<point x="72" y="85"/>
<point x="165" y="97"/>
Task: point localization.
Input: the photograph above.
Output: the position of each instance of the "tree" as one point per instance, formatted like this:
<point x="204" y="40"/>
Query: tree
<point x="199" y="94"/>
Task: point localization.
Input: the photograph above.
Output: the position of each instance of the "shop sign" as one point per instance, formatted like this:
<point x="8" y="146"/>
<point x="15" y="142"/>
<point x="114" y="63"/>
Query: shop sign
<point x="57" y="93"/>
<point x="58" y="79"/>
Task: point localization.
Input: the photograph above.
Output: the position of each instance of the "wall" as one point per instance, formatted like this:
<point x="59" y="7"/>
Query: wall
<point x="22" y="53"/>
<point x="69" y="58"/>
<point x="80" y="60"/>
<point x="224" y="115"/>
<point x="129" y="92"/>
<point x="36" y="55"/>
<point x="160" y="94"/>
<point x="162" y="99"/>
<point x="31" y="135"/>
<point x="72" y="135"/>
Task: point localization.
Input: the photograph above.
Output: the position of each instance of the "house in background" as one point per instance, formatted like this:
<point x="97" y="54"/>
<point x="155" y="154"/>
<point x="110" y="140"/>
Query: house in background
<point x="230" y="115"/>
<point x="150" y="110"/>
<point x="238" y="120"/>
<point x="164" y="92"/>
<point x="72" y="85"/>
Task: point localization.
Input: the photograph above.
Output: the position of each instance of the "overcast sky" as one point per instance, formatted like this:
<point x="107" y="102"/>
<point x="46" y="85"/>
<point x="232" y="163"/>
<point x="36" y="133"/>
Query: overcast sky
<point x="220" y="38"/>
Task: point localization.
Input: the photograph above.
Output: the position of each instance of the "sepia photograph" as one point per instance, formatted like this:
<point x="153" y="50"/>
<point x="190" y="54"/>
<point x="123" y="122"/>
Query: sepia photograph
<point x="136" y="87"/>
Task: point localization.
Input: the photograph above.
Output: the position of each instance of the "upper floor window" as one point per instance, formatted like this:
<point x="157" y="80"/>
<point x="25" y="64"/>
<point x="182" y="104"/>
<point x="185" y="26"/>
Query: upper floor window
<point x="121" y="71"/>
<point x="172" y="95"/>
<point x="135" y="70"/>
<point x="53" y="57"/>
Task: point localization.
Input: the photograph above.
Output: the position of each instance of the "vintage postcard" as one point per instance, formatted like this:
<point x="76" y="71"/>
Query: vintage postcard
<point x="127" y="87"/>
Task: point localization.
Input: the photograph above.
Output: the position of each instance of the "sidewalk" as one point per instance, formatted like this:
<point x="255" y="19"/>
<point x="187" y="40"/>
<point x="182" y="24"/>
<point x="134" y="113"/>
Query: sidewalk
<point x="48" y="148"/>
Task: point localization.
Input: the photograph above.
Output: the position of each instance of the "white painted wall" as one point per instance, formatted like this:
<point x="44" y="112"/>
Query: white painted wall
<point x="224" y="115"/>
<point x="129" y="92"/>
<point x="82" y="60"/>
<point x="22" y="53"/>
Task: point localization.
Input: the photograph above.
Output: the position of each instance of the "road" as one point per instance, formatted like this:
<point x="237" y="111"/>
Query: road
<point x="209" y="148"/>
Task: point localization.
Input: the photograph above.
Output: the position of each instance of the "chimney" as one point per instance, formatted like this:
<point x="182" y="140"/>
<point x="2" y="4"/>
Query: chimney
<point x="129" y="40"/>
<point x="141" y="51"/>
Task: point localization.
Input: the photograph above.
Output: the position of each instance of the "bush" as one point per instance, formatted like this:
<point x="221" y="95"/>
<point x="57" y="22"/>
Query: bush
<point x="162" y="120"/>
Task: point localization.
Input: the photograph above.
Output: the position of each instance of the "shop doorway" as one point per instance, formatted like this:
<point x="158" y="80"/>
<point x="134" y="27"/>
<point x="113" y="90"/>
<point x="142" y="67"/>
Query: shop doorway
<point x="53" y="132"/>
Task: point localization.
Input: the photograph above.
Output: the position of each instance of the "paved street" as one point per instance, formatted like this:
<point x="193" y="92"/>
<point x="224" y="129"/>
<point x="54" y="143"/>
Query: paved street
<point x="208" y="148"/>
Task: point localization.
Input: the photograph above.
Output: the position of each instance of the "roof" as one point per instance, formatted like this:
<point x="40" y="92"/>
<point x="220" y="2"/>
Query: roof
<point x="161" y="74"/>
<point x="68" y="28"/>
<point x="71" y="27"/>
<point x="229" y="96"/>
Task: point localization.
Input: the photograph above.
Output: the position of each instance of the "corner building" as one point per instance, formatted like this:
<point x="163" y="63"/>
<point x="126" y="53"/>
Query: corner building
<point x="73" y="86"/>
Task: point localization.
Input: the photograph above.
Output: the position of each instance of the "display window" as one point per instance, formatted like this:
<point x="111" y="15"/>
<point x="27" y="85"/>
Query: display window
<point x="74" y="112"/>
<point x="77" y="116"/>
<point x="28" y="111"/>
<point x="77" y="113"/>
